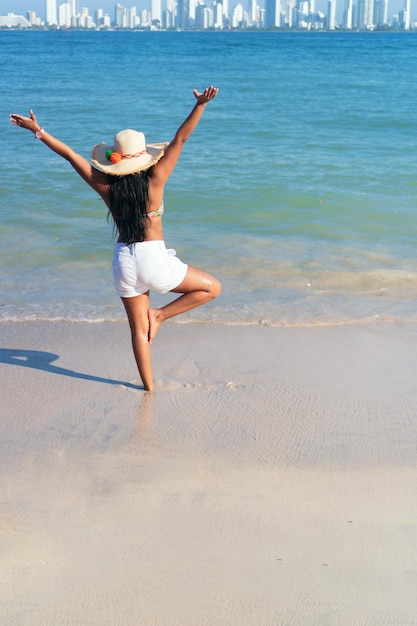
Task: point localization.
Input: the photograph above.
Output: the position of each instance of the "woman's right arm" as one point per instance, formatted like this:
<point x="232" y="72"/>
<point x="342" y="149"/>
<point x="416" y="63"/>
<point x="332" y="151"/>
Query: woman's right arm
<point x="97" y="180"/>
<point x="162" y="170"/>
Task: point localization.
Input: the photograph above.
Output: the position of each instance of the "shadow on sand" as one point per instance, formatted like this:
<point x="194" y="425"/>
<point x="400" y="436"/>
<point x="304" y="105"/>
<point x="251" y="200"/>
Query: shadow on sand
<point x="44" y="361"/>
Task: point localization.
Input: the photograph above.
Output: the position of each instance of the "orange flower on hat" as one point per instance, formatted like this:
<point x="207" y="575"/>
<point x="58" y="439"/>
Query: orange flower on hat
<point x="114" y="157"/>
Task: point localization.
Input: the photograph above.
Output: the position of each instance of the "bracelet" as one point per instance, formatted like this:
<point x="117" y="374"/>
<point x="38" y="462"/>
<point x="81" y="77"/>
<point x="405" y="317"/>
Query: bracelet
<point x="39" y="133"/>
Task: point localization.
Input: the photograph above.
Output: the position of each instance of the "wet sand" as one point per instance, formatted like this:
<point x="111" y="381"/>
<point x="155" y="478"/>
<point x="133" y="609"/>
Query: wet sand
<point x="269" y="480"/>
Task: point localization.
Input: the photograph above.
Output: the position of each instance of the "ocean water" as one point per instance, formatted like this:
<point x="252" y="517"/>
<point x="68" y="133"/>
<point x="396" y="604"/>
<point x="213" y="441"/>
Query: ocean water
<point x="297" y="190"/>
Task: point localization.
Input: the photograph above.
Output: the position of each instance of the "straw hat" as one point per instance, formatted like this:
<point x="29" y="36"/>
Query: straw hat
<point x="128" y="154"/>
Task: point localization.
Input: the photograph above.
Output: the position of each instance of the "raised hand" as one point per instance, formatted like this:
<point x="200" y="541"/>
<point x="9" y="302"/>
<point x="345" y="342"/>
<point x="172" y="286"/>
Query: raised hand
<point x="207" y="95"/>
<point x="30" y="123"/>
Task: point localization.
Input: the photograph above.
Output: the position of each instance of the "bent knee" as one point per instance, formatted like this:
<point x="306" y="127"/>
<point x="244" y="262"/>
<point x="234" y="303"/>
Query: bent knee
<point x="215" y="288"/>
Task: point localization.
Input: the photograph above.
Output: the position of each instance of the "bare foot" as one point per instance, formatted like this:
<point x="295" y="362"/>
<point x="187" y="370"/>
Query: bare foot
<point x="154" y="323"/>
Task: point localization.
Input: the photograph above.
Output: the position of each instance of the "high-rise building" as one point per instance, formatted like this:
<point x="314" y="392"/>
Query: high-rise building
<point x="64" y="15"/>
<point x="167" y="19"/>
<point x="303" y="12"/>
<point x="365" y="13"/>
<point x="218" y="15"/>
<point x="253" y="12"/>
<point x="183" y="12"/>
<point x="403" y="20"/>
<point x="31" y="17"/>
<point x="99" y="17"/>
<point x="348" y="15"/>
<point x="192" y="9"/>
<point x="133" y="19"/>
<point x="204" y="16"/>
<point x="84" y="19"/>
<point x="272" y="13"/>
<point x="381" y="12"/>
<point x="290" y="12"/>
<point x="73" y="7"/>
<point x="331" y="15"/>
<point x="238" y="16"/>
<point x="120" y="16"/>
<point x="51" y="12"/>
<point x="145" y="17"/>
<point x="312" y="7"/>
<point x="156" y="11"/>
<point x="407" y="15"/>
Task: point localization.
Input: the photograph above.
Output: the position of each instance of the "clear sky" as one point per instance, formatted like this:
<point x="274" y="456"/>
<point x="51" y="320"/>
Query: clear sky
<point x="20" y="7"/>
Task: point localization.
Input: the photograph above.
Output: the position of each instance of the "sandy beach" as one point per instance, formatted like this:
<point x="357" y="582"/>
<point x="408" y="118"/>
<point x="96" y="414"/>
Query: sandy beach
<point x="270" y="479"/>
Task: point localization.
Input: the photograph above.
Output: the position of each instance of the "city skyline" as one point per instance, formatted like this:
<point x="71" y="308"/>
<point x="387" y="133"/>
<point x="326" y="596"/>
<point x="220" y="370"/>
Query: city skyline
<point x="21" y="7"/>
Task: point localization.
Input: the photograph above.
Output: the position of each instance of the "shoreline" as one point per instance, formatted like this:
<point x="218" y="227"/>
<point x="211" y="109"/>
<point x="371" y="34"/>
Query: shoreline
<point x="261" y="376"/>
<point x="270" y="479"/>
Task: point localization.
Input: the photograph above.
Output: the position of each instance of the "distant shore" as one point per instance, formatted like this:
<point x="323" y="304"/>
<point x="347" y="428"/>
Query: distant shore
<point x="206" y="30"/>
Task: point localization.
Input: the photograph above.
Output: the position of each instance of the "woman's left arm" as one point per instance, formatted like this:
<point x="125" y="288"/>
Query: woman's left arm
<point x="97" y="180"/>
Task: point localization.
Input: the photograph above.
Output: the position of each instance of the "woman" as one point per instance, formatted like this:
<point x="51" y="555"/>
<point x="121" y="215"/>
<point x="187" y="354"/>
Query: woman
<point x="130" y="177"/>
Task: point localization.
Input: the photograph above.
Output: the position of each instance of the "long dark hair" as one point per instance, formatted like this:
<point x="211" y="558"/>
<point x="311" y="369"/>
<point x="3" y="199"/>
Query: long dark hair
<point x="128" y="205"/>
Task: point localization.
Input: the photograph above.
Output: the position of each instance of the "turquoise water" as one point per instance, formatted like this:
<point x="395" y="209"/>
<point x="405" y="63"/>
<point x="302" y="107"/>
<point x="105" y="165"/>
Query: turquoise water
<point x="298" y="189"/>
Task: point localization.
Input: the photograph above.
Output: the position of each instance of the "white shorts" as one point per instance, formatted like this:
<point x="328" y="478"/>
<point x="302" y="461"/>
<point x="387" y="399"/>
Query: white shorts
<point x="146" y="265"/>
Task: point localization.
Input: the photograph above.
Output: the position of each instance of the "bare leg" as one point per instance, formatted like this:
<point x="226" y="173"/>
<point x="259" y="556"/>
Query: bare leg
<point x="197" y="289"/>
<point x="137" y="314"/>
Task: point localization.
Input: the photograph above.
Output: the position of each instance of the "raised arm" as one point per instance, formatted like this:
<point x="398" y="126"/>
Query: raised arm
<point x="164" y="167"/>
<point x="97" y="180"/>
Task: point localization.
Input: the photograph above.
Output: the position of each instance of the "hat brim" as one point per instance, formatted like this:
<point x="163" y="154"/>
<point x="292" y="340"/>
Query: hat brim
<point x="154" y="152"/>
